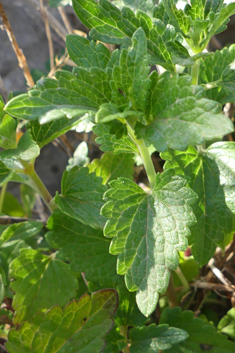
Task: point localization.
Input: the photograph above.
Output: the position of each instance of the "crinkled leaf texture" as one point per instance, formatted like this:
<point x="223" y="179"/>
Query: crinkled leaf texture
<point x="79" y="327"/>
<point x="82" y="196"/>
<point x="40" y="282"/>
<point x="70" y="96"/>
<point x="112" y="166"/>
<point x="152" y="338"/>
<point x="211" y="175"/>
<point x="148" y="230"/>
<point x="110" y="25"/>
<point x="202" y="336"/>
<point x="85" y="248"/>
<point x="219" y="71"/>
<point x="180" y="115"/>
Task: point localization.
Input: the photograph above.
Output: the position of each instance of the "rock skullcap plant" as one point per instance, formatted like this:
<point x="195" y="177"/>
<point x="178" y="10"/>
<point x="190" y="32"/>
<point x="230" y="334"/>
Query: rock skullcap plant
<point x="107" y="236"/>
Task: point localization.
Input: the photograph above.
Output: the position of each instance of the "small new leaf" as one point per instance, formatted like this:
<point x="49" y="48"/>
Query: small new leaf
<point x="40" y="282"/>
<point x="152" y="338"/>
<point x="79" y="328"/>
<point x="148" y="230"/>
<point x="85" y="248"/>
<point x="82" y="196"/>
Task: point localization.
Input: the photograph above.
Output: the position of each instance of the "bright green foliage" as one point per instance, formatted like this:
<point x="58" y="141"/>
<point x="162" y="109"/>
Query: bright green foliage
<point x="218" y="74"/>
<point x="85" y="248"/>
<point x="8" y="132"/>
<point x="212" y="176"/>
<point x="181" y="116"/>
<point x="143" y="5"/>
<point x="80" y="327"/>
<point x="38" y="280"/>
<point x="21" y="231"/>
<point x="150" y="339"/>
<point x="110" y="25"/>
<point x="82" y="196"/>
<point x="227" y="324"/>
<point x="110" y="166"/>
<point x="110" y="143"/>
<point x="201" y="334"/>
<point x="26" y="149"/>
<point x="71" y="95"/>
<point x="148" y="230"/>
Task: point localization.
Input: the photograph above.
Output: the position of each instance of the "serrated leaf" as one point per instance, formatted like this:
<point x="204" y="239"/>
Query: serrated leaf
<point x="211" y="175"/>
<point x="21" y="231"/>
<point x="181" y="116"/>
<point x="85" y="248"/>
<point x="148" y="230"/>
<point x="227" y="324"/>
<point x="80" y="327"/>
<point x="143" y="5"/>
<point x="70" y="96"/>
<point x="130" y="81"/>
<point x="218" y="72"/>
<point x="152" y="338"/>
<point x="40" y="282"/>
<point x="27" y="149"/>
<point x="110" y="166"/>
<point x="202" y="336"/>
<point x="109" y="142"/>
<point x="5" y="174"/>
<point x="110" y="25"/>
<point x="82" y="196"/>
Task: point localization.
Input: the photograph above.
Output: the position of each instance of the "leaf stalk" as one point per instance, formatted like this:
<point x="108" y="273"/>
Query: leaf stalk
<point x="195" y="73"/>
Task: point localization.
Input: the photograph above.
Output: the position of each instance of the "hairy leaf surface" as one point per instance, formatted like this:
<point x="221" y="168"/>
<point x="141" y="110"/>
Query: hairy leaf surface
<point x="82" y="196"/>
<point x="85" y="248"/>
<point x="40" y="282"/>
<point x="79" y="327"/>
<point x="212" y="176"/>
<point x="148" y="230"/>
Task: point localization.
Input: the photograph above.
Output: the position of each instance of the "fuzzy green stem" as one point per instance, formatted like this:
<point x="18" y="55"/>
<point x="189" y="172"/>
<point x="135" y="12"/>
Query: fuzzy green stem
<point x="195" y="73"/>
<point x="2" y="196"/>
<point x="124" y="333"/>
<point x="182" y="279"/>
<point x="38" y="186"/>
<point x="145" y="155"/>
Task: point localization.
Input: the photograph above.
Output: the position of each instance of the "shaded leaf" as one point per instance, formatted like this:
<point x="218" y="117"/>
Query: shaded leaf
<point x="148" y="230"/>
<point x="80" y="156"/>
<point x="82" y="196"/>
<point x="5" y="174"/>
<point x="21" y="231"/>
<point x="80" y="327"/>
<point x="38" y="280"/>
<point x="227" y="324"/>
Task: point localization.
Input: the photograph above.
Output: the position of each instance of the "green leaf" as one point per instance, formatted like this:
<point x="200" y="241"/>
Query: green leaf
<point x="80" y="157"/>
<point x="27" y="149"/>
<point x="70" y="96"/>
<point x="143" y="5"/>
<point x="110" y="166"/>
<point x="181" y="116"/>
<point x="8" y="132"/>
<point x="21" y="231"/>
<point x="79" y="328"/>
<point x="110" y="143"/>
<point x="110" y="25"/>
<point x="114" y="341"/>
<point x="227" y="324"/>
<point x="130" y="81"/>
<point x="85" y="248"/>
<point x="218" y="72"/>
<point x="40" y="282"/>
<point x="82" y="196"/>
<point x="148" y="230"/>
<point x="211" y="175"/>
<point x="56" y="3"/>
<point x="152" y="338"/>
<point x="11" y="206"/>
<point x="28" y="198"/>
<point x="87" y="54"/>
<point x="43" y="134"/>
<point x="202" y="336"/>
<point x="5" y="174"/>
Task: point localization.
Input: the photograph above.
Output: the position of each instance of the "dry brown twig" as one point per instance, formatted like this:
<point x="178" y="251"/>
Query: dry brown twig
<point x="19" y="54"/>
<point x="65" y="20"/>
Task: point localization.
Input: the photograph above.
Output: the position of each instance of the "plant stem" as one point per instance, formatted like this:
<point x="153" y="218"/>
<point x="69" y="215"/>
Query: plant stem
<point x="2" y="196"/>
<point x="38" y="186"/>
<point x="182" y="279"/>
<point x="171" y="294"/>
<point x="195" y="73"/>
<point x="124" y="333"/>
<point x="145" y="155"/>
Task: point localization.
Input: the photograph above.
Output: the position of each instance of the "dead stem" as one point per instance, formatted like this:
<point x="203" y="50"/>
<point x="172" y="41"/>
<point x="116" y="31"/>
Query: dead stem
<point x="65" y="20"/>
<point x="48" y="33"/>
<point x="19" y="54"/>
